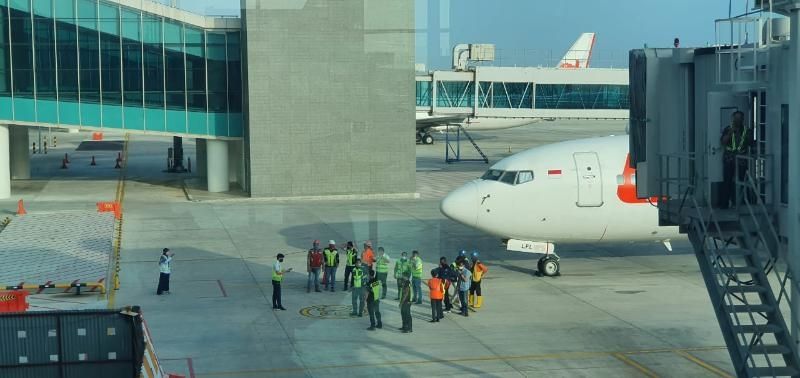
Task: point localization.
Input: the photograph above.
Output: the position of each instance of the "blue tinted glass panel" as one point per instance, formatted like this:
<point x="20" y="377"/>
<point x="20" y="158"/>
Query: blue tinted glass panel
<point x="6" y="106"/>
<point x="218" y="123"/>
<point x="234" y="73"/>
<point x="582" y="96"/>
<point x="110" y="69"/>
<point x="153" y="64"/>
<point x="5" y="61"/>
<point x="154" y="119"/>
<point x="109" y="19"/>
<point x="90" y="114"/>
<point x="424" y="94"/>
<point x="45" y="57"/>
<point x="67" y="57"/>
<point x="175" y="70"/>
<point x="112" y="116"/>
<point x="89" y="46"/>
<point x="455" y="94"/>
<point x="65" y="10"/>
<point x="23" y="5"/>
<point x="131" y="25"/>
<point x="235" y="122"/>
<point x="24" y="109"/>
<point x="22" y="52"/>
<point x="43" y="8"/>
<point x="87" y="14"/>
<point x="217" y="78"/>
<point x="195" y="70"/>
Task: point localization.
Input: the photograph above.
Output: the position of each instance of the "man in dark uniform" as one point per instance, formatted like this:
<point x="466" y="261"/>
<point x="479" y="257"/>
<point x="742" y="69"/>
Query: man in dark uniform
<point x="736" y="140"/>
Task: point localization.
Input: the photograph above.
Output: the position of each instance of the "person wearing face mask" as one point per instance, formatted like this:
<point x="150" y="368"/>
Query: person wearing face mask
<point x="277" y="277"/>
<point x="402" y="270"/>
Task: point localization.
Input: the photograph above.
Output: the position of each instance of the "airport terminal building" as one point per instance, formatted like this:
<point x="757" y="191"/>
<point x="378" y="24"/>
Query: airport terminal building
<point x="293" y="98"/>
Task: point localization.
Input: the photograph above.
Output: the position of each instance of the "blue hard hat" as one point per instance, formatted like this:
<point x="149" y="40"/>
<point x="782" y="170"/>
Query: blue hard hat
<point x="463" y="252"/>
<point x="475" y="254"/>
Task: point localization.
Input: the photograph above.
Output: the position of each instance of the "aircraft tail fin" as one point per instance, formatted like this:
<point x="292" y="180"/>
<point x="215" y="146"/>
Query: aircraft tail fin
<point x="580" y="54"/>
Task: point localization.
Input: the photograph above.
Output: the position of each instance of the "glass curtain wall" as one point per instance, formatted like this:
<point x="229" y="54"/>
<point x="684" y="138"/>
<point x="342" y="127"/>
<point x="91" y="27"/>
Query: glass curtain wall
<point x="99" y="64"/>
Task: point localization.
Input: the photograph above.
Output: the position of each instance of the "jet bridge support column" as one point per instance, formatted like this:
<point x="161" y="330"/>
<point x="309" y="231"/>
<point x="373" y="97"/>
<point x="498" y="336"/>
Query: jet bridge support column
<point x="20" y="154"/>
<point x="793" y="222"/>
<point x="217" y="165"/>
<point x="5" y="163"/>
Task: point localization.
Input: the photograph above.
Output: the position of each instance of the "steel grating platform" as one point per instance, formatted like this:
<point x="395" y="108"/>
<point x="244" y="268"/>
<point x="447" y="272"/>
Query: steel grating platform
<point x="61" y="247"/>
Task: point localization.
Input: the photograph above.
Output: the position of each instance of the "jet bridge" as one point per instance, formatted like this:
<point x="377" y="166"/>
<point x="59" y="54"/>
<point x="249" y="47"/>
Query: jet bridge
<point x="748" y="249"/>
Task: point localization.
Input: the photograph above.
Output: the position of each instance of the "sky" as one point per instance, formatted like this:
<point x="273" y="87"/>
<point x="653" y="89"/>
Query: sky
<point x="536" y="32"/>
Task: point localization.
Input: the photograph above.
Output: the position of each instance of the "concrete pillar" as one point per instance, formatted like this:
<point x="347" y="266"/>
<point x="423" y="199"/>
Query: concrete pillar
<point x="20" y="154"/>
<point x="200" y="158"/>
<point x="5" y="164"/>
<point x="217" y="165"/>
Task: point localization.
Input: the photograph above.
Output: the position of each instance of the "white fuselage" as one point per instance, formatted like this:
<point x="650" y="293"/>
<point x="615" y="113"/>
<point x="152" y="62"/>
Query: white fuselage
<point x="476" y="123"/>
<point x="581" y="192"/>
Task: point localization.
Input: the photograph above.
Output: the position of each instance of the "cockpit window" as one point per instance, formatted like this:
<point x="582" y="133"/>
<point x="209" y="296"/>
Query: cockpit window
<point x="492" y="175"/>
<point x="509" y="177"/>
<point x="524" y="176"/>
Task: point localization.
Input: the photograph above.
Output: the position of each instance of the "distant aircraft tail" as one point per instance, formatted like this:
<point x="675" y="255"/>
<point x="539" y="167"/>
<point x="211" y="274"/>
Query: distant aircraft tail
<point x="580" y="53"/>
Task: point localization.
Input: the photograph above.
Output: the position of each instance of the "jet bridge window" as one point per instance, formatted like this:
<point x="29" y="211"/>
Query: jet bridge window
<point x="524" y="176"/>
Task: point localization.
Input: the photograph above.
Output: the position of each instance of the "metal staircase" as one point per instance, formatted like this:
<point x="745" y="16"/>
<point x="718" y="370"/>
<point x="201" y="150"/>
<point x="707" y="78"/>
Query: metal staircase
<point x="745" y="272"/>
<point x="453" y="146"/>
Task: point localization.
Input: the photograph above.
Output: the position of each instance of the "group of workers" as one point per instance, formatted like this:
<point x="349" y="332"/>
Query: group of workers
<point x="366" y="277"/>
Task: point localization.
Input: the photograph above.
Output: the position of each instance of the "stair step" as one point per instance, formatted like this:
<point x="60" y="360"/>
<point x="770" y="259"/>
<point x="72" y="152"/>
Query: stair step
<point x="739" y="270"/>
<point x="758" y="328"/>
<point x="770" y="349"/>
<point x="745" y="288"/>
<point x="782" y="371"/>
<point x="750" y="308"/>
<point x="734" y="251"/>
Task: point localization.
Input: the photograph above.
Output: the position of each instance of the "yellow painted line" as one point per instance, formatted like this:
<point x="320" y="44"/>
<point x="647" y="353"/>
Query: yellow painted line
<point x="622" y="356"/>
<point x="117" y="246"/>
<point x="641" y="368"/>
<point x="705" y="365"/>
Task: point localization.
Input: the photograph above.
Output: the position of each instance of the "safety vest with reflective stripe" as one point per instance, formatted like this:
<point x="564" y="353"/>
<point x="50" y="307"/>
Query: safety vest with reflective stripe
<point x="733" y="146"/>
<point x="478" y="270"/>
<point x="276" y="274"/>
<point x="437" y="288"/>
<point x="416" y="271"/>
<point x="376" y="290"/>
<point x="402" y="268"/>
<point x="358" y="276"/>
<point x="382" y="264"/>
<point x="331" y="257"/>
<point x="351" y="257"/>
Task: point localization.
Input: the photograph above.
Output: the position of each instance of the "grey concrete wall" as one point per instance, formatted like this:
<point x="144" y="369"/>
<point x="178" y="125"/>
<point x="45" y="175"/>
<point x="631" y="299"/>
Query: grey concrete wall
<point x="330" y="97"/>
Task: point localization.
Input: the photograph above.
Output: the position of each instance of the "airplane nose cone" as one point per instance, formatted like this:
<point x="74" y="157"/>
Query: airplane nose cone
<point x="461" y="205"/>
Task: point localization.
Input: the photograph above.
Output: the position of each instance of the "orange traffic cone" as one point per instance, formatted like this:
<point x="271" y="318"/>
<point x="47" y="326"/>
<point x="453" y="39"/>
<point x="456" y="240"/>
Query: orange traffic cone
<point x="63" y="163"/>
<point x="21" y="208"/>
<point x="66" y="158"/>
<point x="93" y="162"/>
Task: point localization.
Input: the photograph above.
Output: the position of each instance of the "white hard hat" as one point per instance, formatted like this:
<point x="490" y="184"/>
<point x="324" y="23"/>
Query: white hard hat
<point x="332" y="242"/>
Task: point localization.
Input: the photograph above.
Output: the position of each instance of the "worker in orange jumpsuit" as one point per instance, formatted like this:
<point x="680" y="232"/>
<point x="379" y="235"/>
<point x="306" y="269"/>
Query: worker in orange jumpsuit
<point x="368" y="256"/>
<point x="478" y="272"/>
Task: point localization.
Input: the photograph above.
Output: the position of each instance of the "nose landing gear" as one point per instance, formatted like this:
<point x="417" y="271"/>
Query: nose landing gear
<point x="425" y="138"/>
<point x="549" y="266"/>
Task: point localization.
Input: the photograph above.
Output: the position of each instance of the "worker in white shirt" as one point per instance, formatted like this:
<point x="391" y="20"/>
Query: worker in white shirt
<point x="277" y="278"/>
<point x="165" y="269"/>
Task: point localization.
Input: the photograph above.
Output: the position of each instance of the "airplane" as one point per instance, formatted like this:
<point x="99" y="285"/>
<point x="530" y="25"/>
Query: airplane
<point x="577" y="57"/>
<point x="580" y="191"/>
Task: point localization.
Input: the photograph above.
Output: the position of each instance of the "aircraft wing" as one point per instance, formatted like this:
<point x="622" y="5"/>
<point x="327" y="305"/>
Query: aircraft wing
<point x="439" y="121"/>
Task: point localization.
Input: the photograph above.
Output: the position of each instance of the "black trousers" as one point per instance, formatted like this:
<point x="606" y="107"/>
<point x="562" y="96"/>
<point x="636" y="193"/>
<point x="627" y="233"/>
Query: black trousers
<point x="405" y="314"/>
<point x="348" y="276"/>
<point x="436" y="309"/>
<point x="276" y="294"/>
<point x="475" y="289"/>
<point x="163" y="283"/>
<point x="728" y="190"/>
<point x="448" y="305"/>
<point x="374" y="309"/>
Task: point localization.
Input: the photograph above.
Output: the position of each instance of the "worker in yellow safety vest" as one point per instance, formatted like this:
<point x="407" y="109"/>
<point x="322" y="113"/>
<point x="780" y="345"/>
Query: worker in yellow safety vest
<point x="416" y="276"/>
<point x="358" y="289"/>
<point x="331" y="265"/>
<point x="351" y="255"/>
<point x="277" y="277"/>
<point x="478" y="272"/>
<point x="402" y="271"/>
<point x="382" y="269"/>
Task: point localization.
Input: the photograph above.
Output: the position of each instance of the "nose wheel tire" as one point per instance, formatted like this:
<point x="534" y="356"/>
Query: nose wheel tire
<point x="427" y="139"/>
<point x="548" y="266"/>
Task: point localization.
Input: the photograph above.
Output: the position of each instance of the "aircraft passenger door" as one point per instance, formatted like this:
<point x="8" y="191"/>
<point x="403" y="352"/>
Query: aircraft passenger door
<point x="590" y="180"/>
